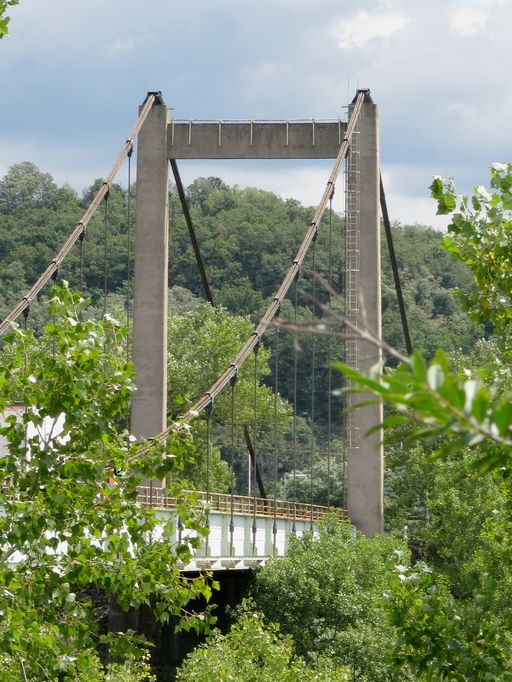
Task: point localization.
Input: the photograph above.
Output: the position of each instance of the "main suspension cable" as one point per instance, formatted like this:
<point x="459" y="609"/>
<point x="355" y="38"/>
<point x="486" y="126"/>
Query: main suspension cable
<point x="82" y="224"/>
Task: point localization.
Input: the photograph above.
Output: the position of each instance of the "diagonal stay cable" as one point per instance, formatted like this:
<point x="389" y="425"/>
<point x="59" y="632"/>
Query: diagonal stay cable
<point x="290" y="276"/>
<point x="394" y="267"/>
<point x="274" y="307"/>
<point x="191" y="231"/>
<point x="81" y="226"/>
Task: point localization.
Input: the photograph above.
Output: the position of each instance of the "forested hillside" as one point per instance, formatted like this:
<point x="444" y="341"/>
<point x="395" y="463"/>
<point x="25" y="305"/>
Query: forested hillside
<point x="248" y="238"/>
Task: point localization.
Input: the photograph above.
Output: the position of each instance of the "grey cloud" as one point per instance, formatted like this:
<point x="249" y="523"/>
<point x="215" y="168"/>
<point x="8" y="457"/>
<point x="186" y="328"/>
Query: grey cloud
<point x="76" y="74"/>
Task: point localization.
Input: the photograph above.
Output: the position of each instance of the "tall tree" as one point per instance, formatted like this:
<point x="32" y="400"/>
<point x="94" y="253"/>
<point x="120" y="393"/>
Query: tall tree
<point x="24" y="186"/>
<point x="457" y="407"/>
<point x="71" y="521"/>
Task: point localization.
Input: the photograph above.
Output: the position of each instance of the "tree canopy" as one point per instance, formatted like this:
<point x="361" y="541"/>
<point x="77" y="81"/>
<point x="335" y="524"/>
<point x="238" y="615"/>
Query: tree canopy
<point x="255" y="651"/>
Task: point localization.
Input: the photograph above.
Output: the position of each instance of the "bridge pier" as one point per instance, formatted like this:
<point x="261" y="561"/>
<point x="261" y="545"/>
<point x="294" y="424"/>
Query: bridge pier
<point x="149" y="404"/>
<point x="150" y="308"/>
<point x="365" y="456"/>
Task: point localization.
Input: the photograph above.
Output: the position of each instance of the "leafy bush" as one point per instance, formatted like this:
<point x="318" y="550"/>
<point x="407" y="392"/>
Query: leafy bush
<point x="326" y="593"/>
<point x="253" y="651"/>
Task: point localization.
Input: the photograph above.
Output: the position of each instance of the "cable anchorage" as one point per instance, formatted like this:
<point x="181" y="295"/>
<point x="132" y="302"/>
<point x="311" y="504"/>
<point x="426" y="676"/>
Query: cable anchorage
<point x="209" y="407"/>
<point x="234" y="378"/>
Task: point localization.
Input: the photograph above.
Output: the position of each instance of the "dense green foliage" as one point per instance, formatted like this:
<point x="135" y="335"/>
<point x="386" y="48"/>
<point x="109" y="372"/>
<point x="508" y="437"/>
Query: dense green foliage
<point x="430" y="282"/>
<point x="479" y="235"/>
<point x="333" y="608"/>
<point x="456" y="622"/>
<point x="70" y="519"/>
<point x="446" y="638"/>
<point x="344" y="609"/>
<point x="212" y="333"/>
<point x="254" y="651"/>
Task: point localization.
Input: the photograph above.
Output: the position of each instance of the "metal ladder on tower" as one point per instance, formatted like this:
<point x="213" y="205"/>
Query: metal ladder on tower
<point x="352" y="267"/>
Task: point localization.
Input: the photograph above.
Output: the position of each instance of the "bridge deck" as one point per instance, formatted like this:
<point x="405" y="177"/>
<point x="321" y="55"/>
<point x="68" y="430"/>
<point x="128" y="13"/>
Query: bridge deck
<point x="241" y="504"/>
<point x="261" y="528"/>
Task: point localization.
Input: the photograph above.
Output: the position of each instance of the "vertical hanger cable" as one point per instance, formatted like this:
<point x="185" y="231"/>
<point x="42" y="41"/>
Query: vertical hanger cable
<point x="128" y="252"/>
<point x="105" y="254"/>
<point x="276" y="387"/>
<point x="232" y="469"/>
<point x="208" y="417"/>
<point x="313" y="379"/>
<point x="295" y="361"/>
<point x="254" y="467"/>
<point x="329" y="353"/>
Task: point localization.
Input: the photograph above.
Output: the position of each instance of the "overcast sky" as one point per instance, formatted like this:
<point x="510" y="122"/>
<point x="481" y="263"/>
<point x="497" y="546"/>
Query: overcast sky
<point x="74" y="72"/>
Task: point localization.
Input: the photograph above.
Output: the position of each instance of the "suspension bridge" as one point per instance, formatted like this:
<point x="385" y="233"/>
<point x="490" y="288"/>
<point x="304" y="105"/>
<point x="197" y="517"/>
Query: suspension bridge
<point x="244" y="530"/>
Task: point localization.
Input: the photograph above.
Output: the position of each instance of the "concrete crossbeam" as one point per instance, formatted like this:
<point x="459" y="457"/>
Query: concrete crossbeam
<point x="255" y="140"/>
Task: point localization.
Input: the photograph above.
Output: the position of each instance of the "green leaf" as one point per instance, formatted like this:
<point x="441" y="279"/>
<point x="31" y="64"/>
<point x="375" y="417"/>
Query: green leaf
<point x="419" y="367"/>
<point x="502" y="417"/>
<point x="444" y="195"/>
<point x="435" y="377"/>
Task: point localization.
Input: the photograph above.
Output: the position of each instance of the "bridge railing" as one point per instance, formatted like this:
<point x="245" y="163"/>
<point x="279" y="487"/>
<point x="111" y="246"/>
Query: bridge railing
<point x="223" y="503"/>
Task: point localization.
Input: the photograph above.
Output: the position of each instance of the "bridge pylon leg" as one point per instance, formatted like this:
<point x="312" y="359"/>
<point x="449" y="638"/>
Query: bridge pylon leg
<point x="365" y="468"/>
<point x="149" y="405"/>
